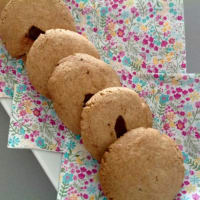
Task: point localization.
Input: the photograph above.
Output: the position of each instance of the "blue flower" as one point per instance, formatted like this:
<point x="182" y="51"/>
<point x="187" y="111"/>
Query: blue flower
<point x="187" y="107"/>
<point x="40" y="142"/>
<point x="135" y="80"/>
<point x="125" y="15"/>
<point x="138" y="19"/>
<point x="67" y="178"/>
<point x="126" y="61"/>
<point x="19" y="70"/>
<point x="186" y="157"/>
<point x="22" y="131"/>
<point x="104" y="11"/>
<point x="91" y="189"/>
<point x="110" y="54"/>
<point x="161" y="77"/>
<point x="13" y="142"/>
<point x="21" y="88"/>
<point x="8" y="91"/>
<point x="71" y="145"/>
<point x="171" y="4"/>
<point x="88" y="17"/>
<point x="66" y="155"/>
<point x="164" y="98"/>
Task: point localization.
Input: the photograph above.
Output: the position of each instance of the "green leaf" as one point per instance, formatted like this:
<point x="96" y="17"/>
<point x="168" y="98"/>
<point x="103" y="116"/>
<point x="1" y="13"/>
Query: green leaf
<point x="63" y="190"/>
<point x="161" y="109"/>
<point x="103" y="21"/>
<point x="194" y="165"/>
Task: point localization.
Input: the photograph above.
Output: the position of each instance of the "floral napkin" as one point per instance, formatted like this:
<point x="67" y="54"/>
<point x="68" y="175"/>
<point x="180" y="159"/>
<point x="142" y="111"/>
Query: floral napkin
<point x="11" y="72"/>
<point x="173" y="99"/>
<point x="175" y="102"/>
<point x="142" y="35"/>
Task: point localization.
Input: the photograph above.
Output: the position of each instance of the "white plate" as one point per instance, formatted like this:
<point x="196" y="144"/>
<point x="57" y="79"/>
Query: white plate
<point x="49" y="161"/>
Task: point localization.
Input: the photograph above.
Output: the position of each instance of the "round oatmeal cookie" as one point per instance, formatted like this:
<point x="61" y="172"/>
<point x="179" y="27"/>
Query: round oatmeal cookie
<point x="142" y="165"/>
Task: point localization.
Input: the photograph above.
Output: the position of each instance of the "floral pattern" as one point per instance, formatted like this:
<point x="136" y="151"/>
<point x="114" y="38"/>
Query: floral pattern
<point x="145" y="36"/>
<point x="11" y="72"/>
<point x="34" y="123"/>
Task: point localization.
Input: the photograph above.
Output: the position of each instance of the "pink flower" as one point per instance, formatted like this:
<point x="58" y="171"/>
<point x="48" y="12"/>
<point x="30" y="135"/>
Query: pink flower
<point x="166" y="127"/>
<point x="180" y="125"/>
<point x="89" y="172"/>
<point x="182" y="113"/>
<point x="171" y="40"/>
<point x="133" y="10"/>
<point x="145" y="41"/>
<point x="81" y="176"/>
<point x="197" y="135"/>
<point x="197" y="104"/>
<point x="190" y="90"/>
<point x="114" y="6"/>
<point x="109" y="37"/>
<point x="136" y="38"/>
<point x="179" y="89"/>
<point x="120" y="32"/>
<point x="52" y="122"/>
<point x="36" y="112"/>
<point x="95" y="29"/>
<point x="83" y="169"/>
<point x="183" y="65"/>
<point x="156" y="48"/>
<point x="164" y="43"/>
<point x="2" y="84"/>
<point x="184" y="92"/>
<point x="151" y="45"/>
<point x="58" y="149"/>
<point x="35" y="133"/>
<point x="85" y="196"/>
<point x="61" y="127"/>
<point x="121" y="53"/>
<point x="179" y="18"/>
<point x="177" y="96"/>
<point x="186" y="182"/>
<point x="26" y="136"/>
<point x="195" y="196"/>
<point x="22" y="113"/>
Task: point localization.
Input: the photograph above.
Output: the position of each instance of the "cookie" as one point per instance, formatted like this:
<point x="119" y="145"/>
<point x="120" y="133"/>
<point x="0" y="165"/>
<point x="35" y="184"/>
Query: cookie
<point x="109" y="114"/>
<point x="48" y="49"/>
<point x="22" y="21"/>
<point x="142" y="165"/>
<point x="74" y="81"/>
<point x="2" y="4"/>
